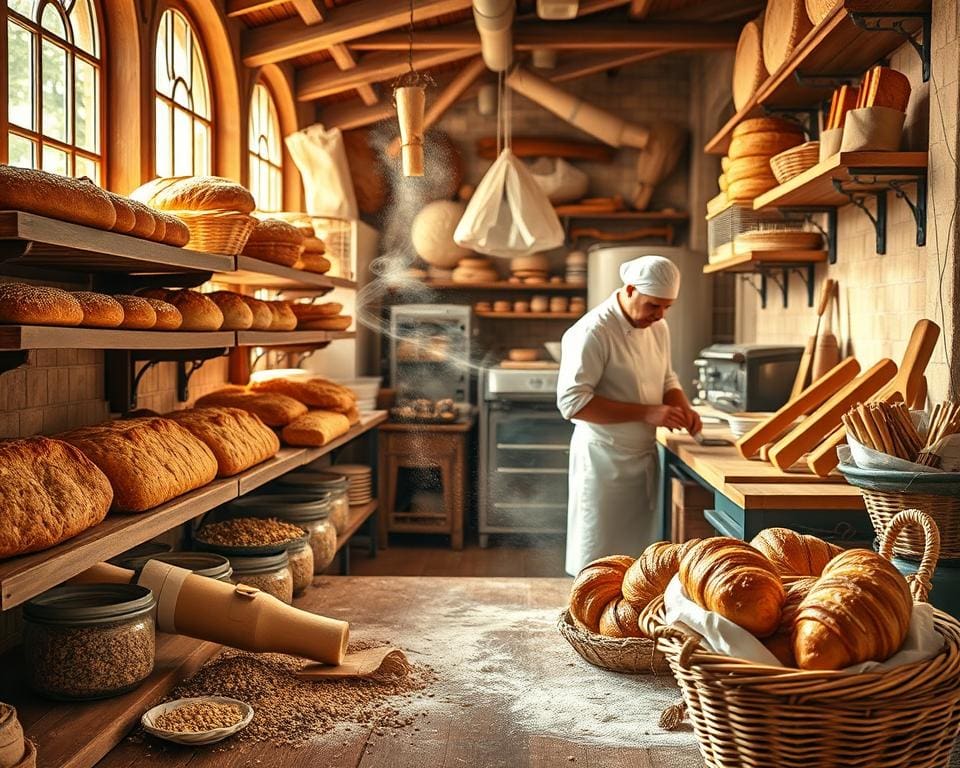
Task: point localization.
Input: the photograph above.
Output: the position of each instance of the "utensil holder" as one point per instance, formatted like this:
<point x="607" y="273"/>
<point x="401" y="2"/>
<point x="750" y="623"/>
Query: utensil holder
<point x="872" y="129"/>
<point x="830" y="142"/>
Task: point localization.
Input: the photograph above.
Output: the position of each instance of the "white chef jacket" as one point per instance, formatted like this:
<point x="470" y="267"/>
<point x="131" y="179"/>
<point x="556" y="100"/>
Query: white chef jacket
<point x="613" y="467"/>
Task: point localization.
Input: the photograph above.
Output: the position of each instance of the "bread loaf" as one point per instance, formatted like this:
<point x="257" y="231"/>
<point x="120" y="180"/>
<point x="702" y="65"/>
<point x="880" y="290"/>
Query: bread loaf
<point x="137" y="312"/>
<point x="49" y="492"/>
<point x="729" y="577"/>
<point x="766" y="125"/>
<point x="780" y="643"/>
<point x="175" y="231"/>
<point x="152" y="293"/>
<point x="763" y="144"/>
<point x="126" y="217"/>
<point x="262" y="316"/>
<point x="168" y="316"/>
<point x="794" y="554"/>
<point x="238" y="439"/>
<point x="311" y="261"/>
<point x="267" y="235"/>
<point x="146" y="220"/>
<point x="338" y="323"/>
<point x="316" y="393"/>
<point x="596" y="586"/>
<point x="316" y="428"/>
<point x="99" y="310"/>
<point x="858" y="610"/>
<point x="237" y="316"/>
<point x="59" y="197"/>
<point x="353" y="415"/>
<point x="274" y="410"/>
<point x="148" y="461"/>
<point x="159" y="227"/>
<point x="199" y="312"/>
<point x="620" y="619"/>
<point x="650" y="573"/>
<point x="38" y="305"/>
<point x="283" y="317"/>
<point x="315" y="311"/>
<point x="195" y="193"/>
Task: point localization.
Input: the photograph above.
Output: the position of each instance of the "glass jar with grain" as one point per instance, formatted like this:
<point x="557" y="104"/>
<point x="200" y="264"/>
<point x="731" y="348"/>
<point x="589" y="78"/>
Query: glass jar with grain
<point x="268" y="573"/>
<point x="322" y="485"/>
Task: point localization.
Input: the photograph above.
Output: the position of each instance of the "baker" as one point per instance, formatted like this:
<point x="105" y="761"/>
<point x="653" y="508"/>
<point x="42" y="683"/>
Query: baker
<point x="617" y="384"/>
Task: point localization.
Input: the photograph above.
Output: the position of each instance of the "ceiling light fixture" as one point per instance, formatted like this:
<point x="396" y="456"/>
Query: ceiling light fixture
<point x="409" y="98"/>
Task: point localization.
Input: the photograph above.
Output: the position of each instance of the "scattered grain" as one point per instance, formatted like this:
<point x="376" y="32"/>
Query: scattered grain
<point x="200" y="716"/>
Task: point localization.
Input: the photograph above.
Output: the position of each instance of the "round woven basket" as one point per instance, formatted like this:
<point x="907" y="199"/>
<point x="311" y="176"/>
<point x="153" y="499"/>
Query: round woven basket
<point x="221" y="232"/>
<point x="747" y="714"/>
<point x="794" y="161"/>
<point x="818" y="10"/>
<point x="631" y="655"/>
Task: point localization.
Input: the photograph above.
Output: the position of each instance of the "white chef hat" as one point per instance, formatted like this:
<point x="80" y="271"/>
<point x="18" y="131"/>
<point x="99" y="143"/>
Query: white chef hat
<point x="652" y="275"/>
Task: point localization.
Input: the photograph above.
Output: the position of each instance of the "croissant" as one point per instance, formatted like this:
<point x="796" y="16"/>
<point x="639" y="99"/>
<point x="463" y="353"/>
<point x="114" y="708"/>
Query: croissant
<point x="620" y="619"/>
<point x="859" y="610"/>
<point x="795" y="554"/>
<point x="597" y="584"/>
<point x="732" y="578"/>
<point x="780" y="643"/>
<point x="651" y="572"/>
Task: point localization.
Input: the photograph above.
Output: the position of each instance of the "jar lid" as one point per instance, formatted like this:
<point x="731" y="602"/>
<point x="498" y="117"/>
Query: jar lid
<point x="292" y="507"/>
<point x="310" y="478"/>
<point x="201" y="563"/>
<point x="142" y="552"/>
<point x="261" y="564"/>
<point x="89" y="604"/>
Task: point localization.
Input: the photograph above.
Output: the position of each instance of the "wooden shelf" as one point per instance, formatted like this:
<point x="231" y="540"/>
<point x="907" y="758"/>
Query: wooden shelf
<point x="836" y="46"/>
<point x="289" y="338"/>
<point x="358" y="516"/>
<point x="14" y="337"/>
<point x="368" y="421"/>
<point x="815" y="186"/>
<point x="342" y="282"/>
<point x="28" y="240"/>
<point x="754" y="260"/>
<point x="504" y="285"/>
<point x="626" y="215"/>
<point x="530" y="315"/>
<point x="256" y="273"/>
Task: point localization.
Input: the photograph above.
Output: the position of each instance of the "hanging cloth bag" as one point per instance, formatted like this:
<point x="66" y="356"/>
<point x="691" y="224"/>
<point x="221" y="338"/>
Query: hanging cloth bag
<point x="322" y="160"/>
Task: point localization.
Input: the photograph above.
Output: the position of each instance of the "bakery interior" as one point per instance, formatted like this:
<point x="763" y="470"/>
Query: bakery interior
<point x="284" y="289"/>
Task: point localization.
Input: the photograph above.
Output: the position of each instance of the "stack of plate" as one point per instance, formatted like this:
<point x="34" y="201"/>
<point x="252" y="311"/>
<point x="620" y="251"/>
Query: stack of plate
<point x="576" y="268"/>
<point x="532" y="268"/>
<point x="360" y="482"/>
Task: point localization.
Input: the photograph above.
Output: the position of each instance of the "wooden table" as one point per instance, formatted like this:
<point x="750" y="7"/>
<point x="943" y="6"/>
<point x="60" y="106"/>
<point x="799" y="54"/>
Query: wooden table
<point x="750" y="495"/>
<point x="510" y="691"/>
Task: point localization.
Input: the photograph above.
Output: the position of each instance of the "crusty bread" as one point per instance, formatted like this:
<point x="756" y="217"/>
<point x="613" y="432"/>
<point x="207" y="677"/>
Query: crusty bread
<point x="650" y="573"/>
<point x="176" y="232"/>
<point x="146" y="219"/>
<point x="275" y="231"/>
<point x="168" y="316"/>
<point x="59" y="197"/>
<point x="148" y="461"/>
<point x="49" y="492"/>
<point x="317" y="393"/>
<point x="237" y="316"/>
<point x="126" y="217"/>
<point x="315" y="428"/>
<point x="160" y="227"/>
<point x="238" y="438"/>
<point x="316" y="311"/>
<point x="283" y="317"/>
<point x="137" y="312"/>
<point x="311" y="261"/>
<point x="274" y="410"/>
<point x="38" y="305"/>
<point x="262" y="316"/>
<point x="199" y="312"/>
<point x="338" y="323"/>
<point x="763" y="144"/>
<point x="301" y="221"/>
<point x="314" y="245"/>
<point x="353" y="415"/>
<point x="99" y="310"/>
<point x="152" y="293"/>
<point x="195" y="193"/>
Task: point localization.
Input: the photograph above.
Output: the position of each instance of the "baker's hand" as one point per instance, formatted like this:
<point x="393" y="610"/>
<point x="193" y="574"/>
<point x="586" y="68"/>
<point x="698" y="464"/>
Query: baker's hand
<point x="670" y="416"/>
<point x="694" y="423"/>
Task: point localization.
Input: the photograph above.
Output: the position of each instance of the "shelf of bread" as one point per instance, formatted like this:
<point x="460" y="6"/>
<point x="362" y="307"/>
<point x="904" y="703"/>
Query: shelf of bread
<point x="289" y="338"/>
<point x="368" y="421"/>
<point x="29" y="240"/>
<point x="358" y="516"/>
<point x="506" y="285"/>
<point x="751" y="261"/>
<point x="257" y="273"/>
<point x="530" y="315"/>
<point x="14" y="337"/>
<point x="856" y="171"/>
<point x="836" y="45"/>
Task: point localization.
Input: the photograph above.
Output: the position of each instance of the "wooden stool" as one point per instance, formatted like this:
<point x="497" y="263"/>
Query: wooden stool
<point x="442" y="447"/>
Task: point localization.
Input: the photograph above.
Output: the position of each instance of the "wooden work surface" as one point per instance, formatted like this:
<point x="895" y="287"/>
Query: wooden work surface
<point x="794" y="495"/>
<point x="415" y="426"/>
<point x="510" y="691"/>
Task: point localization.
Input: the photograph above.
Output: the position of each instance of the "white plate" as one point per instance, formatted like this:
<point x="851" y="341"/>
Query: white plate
<point x="200" y="737"/>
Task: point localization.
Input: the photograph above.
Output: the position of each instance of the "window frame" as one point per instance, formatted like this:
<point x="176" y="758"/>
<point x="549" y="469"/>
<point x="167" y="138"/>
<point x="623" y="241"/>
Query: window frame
<point x="253" y="153"/>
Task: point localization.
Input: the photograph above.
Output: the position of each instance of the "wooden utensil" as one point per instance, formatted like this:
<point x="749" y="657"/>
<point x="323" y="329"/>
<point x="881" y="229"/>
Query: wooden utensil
<point x="823" y="421"/>
<point x="827" y="351"/>
<point x="531" y="146"/>
<point x="385" y="661"/>
<point x="809" y="399"/>
<point x="888" y="88"/>
<point x="665" y="232"/>
<point x="806" y="360"/>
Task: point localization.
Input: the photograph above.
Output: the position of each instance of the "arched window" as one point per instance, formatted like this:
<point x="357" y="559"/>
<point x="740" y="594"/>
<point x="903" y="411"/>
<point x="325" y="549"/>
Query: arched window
<point x="183" y="134"/>
<point x="266" y="154"/>
<point x="54" y="86"/>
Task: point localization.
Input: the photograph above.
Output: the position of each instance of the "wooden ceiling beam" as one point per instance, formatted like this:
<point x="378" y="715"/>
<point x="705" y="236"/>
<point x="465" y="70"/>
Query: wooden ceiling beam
<point x="291" y="38"/>
<point x="237" y="8"/>
<point x="308" y="11"/>
<point x="344" y="59"/>
<point x="326" y="79"/>
<point x="640" y="9"/>
<point x="592" y="64"/>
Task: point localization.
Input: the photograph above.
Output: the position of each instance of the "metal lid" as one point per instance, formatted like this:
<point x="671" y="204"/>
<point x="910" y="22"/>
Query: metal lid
<point x="89" y="604"/>
<point x="309" y="478"/>
<point x="292" y="507"/>
<point x="261" y="564"/>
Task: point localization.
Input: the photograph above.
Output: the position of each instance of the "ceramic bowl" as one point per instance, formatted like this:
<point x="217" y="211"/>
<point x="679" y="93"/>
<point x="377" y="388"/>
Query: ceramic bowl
<point x="741" y="423"/>
<point x="200" y="737"/>
<point x="553" y="348"/>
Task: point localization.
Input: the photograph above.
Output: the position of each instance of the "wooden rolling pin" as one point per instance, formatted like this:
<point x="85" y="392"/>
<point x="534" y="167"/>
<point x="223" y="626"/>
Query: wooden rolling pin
<point x="826" y="353"/>
<point x="806" y="361"/>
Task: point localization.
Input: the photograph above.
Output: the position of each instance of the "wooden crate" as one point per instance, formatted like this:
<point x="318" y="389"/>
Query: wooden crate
<point x="686" y="517"/>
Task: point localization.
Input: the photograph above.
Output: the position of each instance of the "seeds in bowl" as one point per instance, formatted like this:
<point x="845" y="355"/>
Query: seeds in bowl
<point x="249" y="532"/>
<point x="200" y="716"/>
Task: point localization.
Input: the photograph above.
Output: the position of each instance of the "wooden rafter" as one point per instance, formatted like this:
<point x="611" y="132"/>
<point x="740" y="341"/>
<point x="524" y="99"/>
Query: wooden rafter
<point x="594" y="63"/>
<point x="640" y="9"/>
<point x="344" y="59"/>
<point x="237" y="8"/>
<point x="308" y="11"/>
<point x="290" y="38"/>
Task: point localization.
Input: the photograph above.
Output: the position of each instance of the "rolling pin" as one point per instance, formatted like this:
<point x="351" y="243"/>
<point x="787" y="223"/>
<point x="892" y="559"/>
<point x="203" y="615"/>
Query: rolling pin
<point x="907" y="386"/>
<point x="826" y="353"/>
<point x="809" y="399"/>
<point x="824" y="421"/>
<point x="806" y="361"/>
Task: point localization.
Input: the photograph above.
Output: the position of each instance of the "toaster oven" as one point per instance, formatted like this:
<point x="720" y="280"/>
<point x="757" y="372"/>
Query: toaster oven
<point x="746" y="377"/>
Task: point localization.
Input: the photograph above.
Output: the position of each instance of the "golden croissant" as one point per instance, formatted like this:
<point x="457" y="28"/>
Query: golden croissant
<point x="795" y="554"/>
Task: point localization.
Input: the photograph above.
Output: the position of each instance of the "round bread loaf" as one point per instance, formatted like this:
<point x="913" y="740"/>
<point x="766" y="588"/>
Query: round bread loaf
<point x="126" y="217"/>
<point x="59" y="197"/>
<point x="237" y="316"/>
<point x="168" y="316"/>
<point x="38" y="304"/>
<point x="296" y="219"/>
<point x="137" y="312"/>
<point x="146" y="219"/>
<point x="748" y="168"/>
<point x="262" y="316"/>
<point x="195" y="193"/>
<point x="766" y="125"/>
<point x="177" y="233"/>
<point x="275" y="231"/>
<point x="152" y="293"/>
<point x="746" y="190"/>
<point x="312" y="261"/>
<point x="283" y="317"/>
<point x="199" y="312"/>
<point x="99" y="310"/>
<point x="763" y="144"/>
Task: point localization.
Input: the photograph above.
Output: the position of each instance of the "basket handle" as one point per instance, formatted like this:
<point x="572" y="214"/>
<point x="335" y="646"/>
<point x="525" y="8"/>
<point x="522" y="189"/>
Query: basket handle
<point x="691" y="643"/>
<point x="921" y="581"/>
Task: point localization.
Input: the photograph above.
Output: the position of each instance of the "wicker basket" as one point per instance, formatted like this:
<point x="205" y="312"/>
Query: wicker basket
<point x="746" y="714"/>
<point x="221" y="232"/>
<point x="937" y="494"/>
<point x="632" y="655"/>
<point x="795" y="161"/>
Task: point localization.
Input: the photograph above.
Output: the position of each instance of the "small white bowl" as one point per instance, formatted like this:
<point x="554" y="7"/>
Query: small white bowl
<point x="741" y="423"/>
<point x="196" y="738"/>
<point x="553" y="348"/>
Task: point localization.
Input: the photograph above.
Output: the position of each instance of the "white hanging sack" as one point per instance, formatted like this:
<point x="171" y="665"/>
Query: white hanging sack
<point x="560" y="181"/>
<point x="322" y="159"/>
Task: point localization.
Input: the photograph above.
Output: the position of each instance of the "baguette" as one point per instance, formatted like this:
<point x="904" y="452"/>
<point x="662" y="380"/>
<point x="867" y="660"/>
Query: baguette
<point x="60" y="197"/>
<point x="273" y="410"/>
<point x="316" y="393"/>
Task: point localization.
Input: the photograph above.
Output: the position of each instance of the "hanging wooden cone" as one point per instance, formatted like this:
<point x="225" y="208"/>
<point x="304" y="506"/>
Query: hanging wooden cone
<point x="410" y="104"/>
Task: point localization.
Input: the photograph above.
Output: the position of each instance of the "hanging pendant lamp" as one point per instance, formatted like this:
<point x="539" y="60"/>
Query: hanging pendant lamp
<point x="409" y="98"/>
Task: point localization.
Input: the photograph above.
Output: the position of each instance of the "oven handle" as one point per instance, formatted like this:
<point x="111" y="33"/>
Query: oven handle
<point x="533" y="447"/>
<point x="530" y="471"/>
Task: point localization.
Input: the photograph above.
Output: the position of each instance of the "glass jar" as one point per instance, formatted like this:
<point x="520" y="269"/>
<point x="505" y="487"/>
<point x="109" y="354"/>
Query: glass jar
<point x="201" y="563"/>
<point x="301" y="565"/>
<point x="329" y="485"/>
<point x="89" y="641"/>
<point x="268" y="573"/>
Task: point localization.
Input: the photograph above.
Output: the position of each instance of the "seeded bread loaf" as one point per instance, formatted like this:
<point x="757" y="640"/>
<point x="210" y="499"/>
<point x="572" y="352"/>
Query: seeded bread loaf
<point x="148" y="460"/>
<point x="175" y="232"/>
<point x="49" y="492"/>
<point x="199" y="312"/>
<point x="99" y="310"/>
<point x="274" y="410"/>
<point x="38" y="305"/>
<point x="262" y="316"/>
<point x="168" y="316"/>
<point x="195" y="193"/>
<point x="316" y="393"/>
<point x="126" y="216"/>
<point x="59" y="197"/>
<point x="312" y="261"/>
<point x="238" y="438"/>
<point x="237" y="316"/>
<point x="137" y="312"/>
<point x="316" y="428"/>
<point x="146" y="219"/>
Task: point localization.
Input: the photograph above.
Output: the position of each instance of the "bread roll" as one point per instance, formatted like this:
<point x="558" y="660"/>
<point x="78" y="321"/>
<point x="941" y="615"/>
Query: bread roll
<point x="274" y="410"/>
<point x="262" y="316"/>
<point x="311" y="261"/>
<point x="238" y="439"/>
<point x="99" y="311"/>
<point x="146" y="220"/>
<point x="732" y="578"/>
<point x="338" y="323"/>
<point x="195" y="193"/>
<point x="301" y="221"/>
<point x="620" y="619"/>
<point x="38" y="305"/>
<point x="315" y="311"/>
<point x="649" y="575"/>
<point x="126" y="217"/>
<point x="316" y="393"/>
<point x="49" y="492"/>
<point x="175" y="232"/>
<point x="137" y="312"/>
<point x="598" y="584"/>
<point x="199" y="312"/>
<point x="780" y="643"/>
<point x="237" y="316"/>
<point x="59" y="197"/>
<point x="148" y="461"/>
<point x="270" y="233"/>
<point x="794" y="554"/>
<point x="168" y="316"/>
<point x="316" y="428"/>
<point x="353" y="415"/>
<point x="858" y="610"/>
<point x="283" y="317"/>
<point x="159" y="227"/>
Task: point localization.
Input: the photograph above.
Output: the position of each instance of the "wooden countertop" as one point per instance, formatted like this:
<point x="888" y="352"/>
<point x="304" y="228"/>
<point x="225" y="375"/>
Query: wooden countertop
<point x="510" y="691"/>
<point x="794" y="496"/>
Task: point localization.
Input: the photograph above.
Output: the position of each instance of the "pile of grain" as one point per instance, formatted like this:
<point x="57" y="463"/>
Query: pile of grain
<point x="249" y="532"/>
<point x="288" y="711"/>
<point x="200" y="716"/>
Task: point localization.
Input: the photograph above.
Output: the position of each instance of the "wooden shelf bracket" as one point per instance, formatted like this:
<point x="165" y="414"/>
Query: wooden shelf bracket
<point x="881" y="21"/>
<point x="123" y="379"/>
<point x="918" y="208"/>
